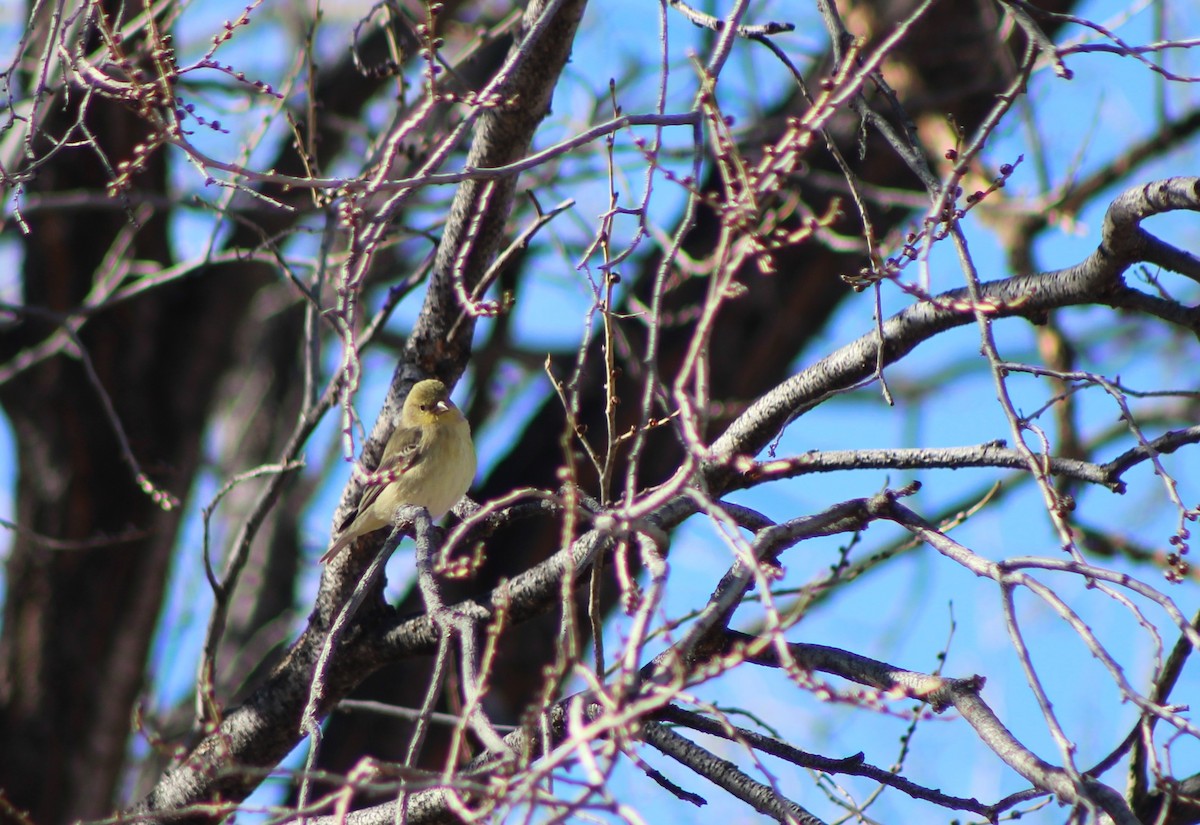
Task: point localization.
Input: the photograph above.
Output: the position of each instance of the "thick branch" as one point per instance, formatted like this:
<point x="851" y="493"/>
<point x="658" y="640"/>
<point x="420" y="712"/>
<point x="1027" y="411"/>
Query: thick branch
<point x="1096" y="280"/>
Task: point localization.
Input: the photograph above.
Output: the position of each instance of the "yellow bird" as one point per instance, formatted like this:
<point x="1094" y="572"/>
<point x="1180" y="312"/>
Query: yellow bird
<point x="429" y="461"/>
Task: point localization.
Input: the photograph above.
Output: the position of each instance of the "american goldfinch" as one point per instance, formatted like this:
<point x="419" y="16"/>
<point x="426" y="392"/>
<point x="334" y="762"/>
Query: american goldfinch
<point x="429" y="461"/>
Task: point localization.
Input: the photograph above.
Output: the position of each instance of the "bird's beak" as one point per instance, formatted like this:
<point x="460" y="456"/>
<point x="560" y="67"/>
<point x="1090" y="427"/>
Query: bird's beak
<point x="441" y="407"/>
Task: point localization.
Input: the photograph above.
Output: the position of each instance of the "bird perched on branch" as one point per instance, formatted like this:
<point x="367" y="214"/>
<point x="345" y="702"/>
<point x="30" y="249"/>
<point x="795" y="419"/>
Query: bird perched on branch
<point x="429" y="461"/>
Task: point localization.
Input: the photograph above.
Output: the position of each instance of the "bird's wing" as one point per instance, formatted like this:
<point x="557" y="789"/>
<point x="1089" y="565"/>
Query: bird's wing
<point x="404" y="449"/>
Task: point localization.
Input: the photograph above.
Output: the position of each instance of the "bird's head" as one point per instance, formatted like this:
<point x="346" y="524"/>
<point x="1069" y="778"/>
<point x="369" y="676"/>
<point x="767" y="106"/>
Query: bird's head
<point x="428" y="400"/>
